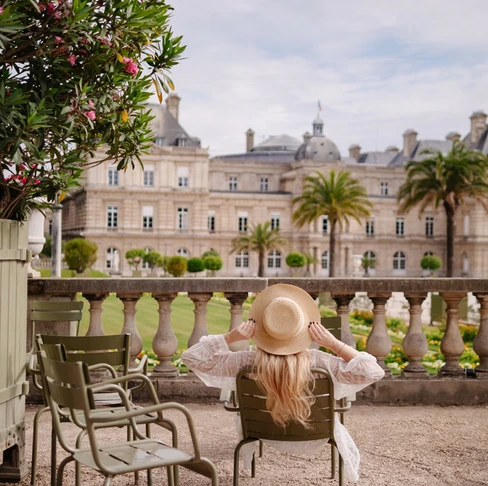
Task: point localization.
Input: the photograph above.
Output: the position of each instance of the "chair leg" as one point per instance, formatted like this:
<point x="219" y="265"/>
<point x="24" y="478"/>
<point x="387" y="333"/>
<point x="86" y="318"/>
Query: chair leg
<point x="108" y="481"/>
<point x="333" y="458"/>
<point x="341" y="471"/>
<point x="174" y="438"/>
<point x="54" y="444"/>
<point x="34" y="444"/>
<point x="149" y="471"/>
<point x="59" y="477"/>
<point x="171" y="479"/>
<point x="261" y="447"/>
<point x="253" y="465"/>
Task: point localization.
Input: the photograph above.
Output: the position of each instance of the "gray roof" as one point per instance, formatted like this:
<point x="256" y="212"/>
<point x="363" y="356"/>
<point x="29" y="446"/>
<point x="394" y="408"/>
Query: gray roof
<point x="278" y="143"/>
<point x="167" y="129"/>
<point x="318" y="148"/>
<point x="264" y="156"/>
<point x="482" y="143"/>
<point x="418" y="152"/>
<point x="377" y="158"/>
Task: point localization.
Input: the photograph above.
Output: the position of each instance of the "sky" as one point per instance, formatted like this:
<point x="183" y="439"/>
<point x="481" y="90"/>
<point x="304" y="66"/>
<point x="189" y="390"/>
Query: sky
<point x="378" y="67"/>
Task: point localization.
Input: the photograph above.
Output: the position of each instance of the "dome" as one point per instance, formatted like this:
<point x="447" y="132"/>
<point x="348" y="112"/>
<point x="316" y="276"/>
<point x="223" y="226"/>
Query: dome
<point x="318" y="148"/>
<point x="277" y="143"/>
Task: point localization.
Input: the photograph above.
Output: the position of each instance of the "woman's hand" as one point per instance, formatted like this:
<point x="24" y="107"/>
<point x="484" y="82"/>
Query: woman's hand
<point x="243" y="332"/>
<point x="323" y="337"/>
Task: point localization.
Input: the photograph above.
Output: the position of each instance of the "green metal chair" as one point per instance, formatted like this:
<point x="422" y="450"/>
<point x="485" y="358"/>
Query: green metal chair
<point x="100" y="353"/>
<point x="68" y="388"/>
<point x="257" y="423"/>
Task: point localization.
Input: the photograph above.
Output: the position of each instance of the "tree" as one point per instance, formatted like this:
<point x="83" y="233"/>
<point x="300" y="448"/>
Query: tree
<point x="210" y="252"/>
<point x="46" y="249"/>
<point x="338" y="196"/>
<point x="367" y="263"/>
<point x="80" y="254"/>
<point x="153" y="259"/>
<point x="213" y="264"/>
<point x="134" y="257"/>
<point x="431" y="263"/>
<point x="75" y="77"/>
<point x="195" y="265"/>
<point x="177" y="266"/>
<point x="447" y="181"/>
<point x="260" y="239"/>
<point x="296" y="260"/>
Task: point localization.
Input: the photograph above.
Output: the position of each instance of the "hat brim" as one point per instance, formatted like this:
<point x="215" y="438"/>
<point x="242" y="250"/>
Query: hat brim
<point x="299" y="342"/>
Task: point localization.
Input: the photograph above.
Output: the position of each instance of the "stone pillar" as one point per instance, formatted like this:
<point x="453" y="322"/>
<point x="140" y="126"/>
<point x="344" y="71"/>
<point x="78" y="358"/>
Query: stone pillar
<point x="130" y="300"/>
<point x="56" y="241"/>
<point x="379" y="342"/>
<point x="452" y="345"/>
<point x="415" y="343"/>
<point x="343" y="312"/>
<point x="165" y="343"/>
<point x="200" y="325"/>
<point x="236" y="301"/>
<point x="480" y="343"/>
<point x="95" y="301"/>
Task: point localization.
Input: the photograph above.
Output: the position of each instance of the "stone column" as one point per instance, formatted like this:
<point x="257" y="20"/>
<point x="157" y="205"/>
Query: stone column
<point x="236" y="301"/>
<point x="415" y="343"/>
<point x="452" y="345"/>
<point x="343" y="312"/>
<point x="200" y="325"/>
<point x="480" y="343"/>
<point x="129" y="300"/>
<point x="165" y="343"/>
<point x="379" y="342"/>
<point x="95" y="301"/>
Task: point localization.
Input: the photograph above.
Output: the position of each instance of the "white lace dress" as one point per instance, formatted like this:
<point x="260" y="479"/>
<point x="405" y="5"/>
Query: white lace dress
<point x="217" y="366"/>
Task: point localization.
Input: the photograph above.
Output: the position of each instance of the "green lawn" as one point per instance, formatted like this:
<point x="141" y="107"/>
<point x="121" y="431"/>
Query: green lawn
<point x="147" y="317"/>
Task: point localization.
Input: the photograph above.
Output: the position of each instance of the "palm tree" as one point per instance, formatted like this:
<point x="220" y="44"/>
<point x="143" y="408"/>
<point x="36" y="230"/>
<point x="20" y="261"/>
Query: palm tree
<point x="261" y="239"/>
<point x="446" y="180"/>
<point x="338" y="196"/>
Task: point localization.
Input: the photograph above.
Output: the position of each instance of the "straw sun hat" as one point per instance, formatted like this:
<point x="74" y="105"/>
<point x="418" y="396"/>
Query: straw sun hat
<point x="282" y="314"/>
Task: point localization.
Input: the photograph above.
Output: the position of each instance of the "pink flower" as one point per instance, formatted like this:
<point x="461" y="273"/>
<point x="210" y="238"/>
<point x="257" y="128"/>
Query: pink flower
<point x="22" y="166"/>
<point x="91" y="115"/>
<point x="106" y="41"/>
<point x="37" y="182"/>
<point x="57" y="14"/>
<point x="24" y="180"/>
<point x="72" y="59"/>
<point x="90" y="102"/>
<point x="131" y="67"/>
<point x="59" y="40"/>
<point x="1" y="10"/>
<point x="50" y="8"/>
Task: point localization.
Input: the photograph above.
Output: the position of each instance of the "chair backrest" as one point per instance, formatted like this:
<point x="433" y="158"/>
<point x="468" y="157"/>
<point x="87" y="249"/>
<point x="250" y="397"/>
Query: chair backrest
<point x="258" y="424"/>
<point x="333" y="324"/>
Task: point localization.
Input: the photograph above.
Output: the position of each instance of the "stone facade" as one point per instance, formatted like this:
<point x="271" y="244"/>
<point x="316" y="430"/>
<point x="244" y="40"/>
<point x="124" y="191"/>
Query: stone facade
<point x="184" y="202"/>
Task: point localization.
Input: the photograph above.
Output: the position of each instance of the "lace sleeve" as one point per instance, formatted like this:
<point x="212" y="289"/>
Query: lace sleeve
<point x="213" y="362"/>
<point x="349" y="377"/>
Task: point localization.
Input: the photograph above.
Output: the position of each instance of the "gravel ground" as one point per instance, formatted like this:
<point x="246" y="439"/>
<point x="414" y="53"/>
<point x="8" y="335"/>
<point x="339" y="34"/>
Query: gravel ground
<point x="435" y="446"/>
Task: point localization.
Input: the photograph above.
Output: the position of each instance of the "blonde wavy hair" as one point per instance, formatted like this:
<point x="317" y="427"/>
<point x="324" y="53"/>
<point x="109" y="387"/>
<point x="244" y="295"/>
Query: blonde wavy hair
<point x="286" y="380"/>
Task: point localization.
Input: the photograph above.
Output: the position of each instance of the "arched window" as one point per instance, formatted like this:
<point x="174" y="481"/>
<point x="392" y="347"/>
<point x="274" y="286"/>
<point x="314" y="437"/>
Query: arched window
<point x="371" y="257"/>
<point x="242" y="259"/>
<point x="183" y="252"/>
<point x="112" y="260"/>
<point x="428" y="253"/>
<point x="145" y="265"/>
<point x="274" y="259"/>
<point x="399" y="261"/>
<point x="325" y="260"/>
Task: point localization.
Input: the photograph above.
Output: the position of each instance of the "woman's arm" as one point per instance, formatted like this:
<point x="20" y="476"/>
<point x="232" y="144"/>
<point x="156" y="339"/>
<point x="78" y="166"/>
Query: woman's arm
<point x="324" y="338"/>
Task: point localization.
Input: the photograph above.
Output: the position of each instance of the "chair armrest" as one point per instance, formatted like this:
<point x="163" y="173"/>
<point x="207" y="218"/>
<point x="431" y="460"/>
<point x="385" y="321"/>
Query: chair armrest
<point x="141" y="369"/>
<point x="105" y="366"/>
<point x="343" y="408"/>
<point x="230" y="408"/>
<point x="35" y="371"/>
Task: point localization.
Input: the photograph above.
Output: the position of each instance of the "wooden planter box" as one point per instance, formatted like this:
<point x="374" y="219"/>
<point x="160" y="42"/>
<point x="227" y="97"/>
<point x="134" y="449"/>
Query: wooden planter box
<point x="14" y="256"/>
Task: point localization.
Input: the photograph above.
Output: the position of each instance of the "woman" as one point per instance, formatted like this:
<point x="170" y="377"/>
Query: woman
<point x="283" y="322"/>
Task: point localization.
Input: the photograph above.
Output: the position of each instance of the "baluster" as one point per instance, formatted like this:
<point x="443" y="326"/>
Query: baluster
<point x="379" y="342"/>
<point x="480" y="343"/>
<point x="200" y="325"/>
<point x="415" y="344"/>
<point x="236" y="301"/>
<point x="96" y="326"/>
<point x="452" y="345"/>
<point x="342" y="302"/>
<point x="129" y="300"/>
<point x="165" y="343"/>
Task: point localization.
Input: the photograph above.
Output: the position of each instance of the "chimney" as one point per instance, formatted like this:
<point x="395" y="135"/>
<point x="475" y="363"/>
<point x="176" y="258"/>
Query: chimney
<point x="355" y="152"/>
<point x="392" y="148"/>
<point x="453" y="136"/>
<point x="249" y="140"/>
<point x="409" y="142"/>
<point x="307" y="136"/>
<point x="478" y="125"/>
<point x="173" y="104"/>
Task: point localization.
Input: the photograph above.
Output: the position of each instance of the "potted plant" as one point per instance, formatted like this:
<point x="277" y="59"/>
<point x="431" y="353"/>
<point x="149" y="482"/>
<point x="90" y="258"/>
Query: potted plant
<point x="295" y="260"/>
<point x="134" y="258"/>
<point x="430" y="263"/>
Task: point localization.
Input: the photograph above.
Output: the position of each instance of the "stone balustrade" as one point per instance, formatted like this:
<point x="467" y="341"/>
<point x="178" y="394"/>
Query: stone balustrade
<point x="199" y="290"/>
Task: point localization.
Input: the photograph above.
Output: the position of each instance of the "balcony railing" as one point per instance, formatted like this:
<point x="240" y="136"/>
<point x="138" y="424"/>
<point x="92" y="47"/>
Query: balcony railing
<point x="236" y="290"/>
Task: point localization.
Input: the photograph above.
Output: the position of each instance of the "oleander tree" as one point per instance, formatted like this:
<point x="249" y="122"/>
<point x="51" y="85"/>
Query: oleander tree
<point x="74" y="78"/>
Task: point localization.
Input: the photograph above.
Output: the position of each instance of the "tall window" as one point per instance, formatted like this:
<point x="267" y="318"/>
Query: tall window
<point x="399" y="261"/>
<point x="211" y="221"/>
<point x="275" y="221"/>
<point x="242" y="259"/>
<point x="400" y="227"/>
<point x="466" y="225"/>
<point x="429" y="226"/>
<point x="182" y="218"/>
<point x="181" y="142"/>
<point x="112" y="216"/>
<point x="182" y="252"/>
<point x="324" y="260"/>
<point x="371" y="257"/>
<point x="242" y="222"/>
<point x="370" y="227"/>
<point x="147" y="217"/>
<point x="264" y="184"/>
<point x="232" y="183"/>
<point x="325" y="224"/>
<point x="274" y="259"/>
<point x="113" y="176"/>
<point x="183" y="176"/>
<point x="110" y="257"/>
<point x="149" y="175"/>
<point x="384" y="188"/>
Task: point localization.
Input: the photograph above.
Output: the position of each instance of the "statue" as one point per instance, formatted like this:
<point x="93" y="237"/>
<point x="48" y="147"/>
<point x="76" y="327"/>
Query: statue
<point x="115" y="262"/>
